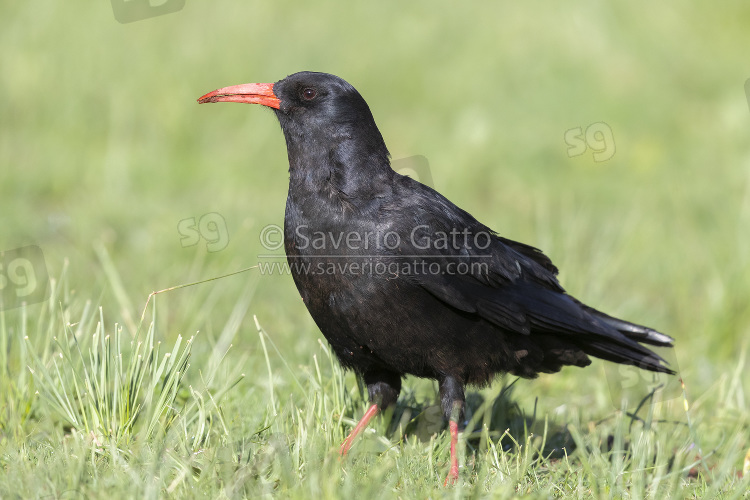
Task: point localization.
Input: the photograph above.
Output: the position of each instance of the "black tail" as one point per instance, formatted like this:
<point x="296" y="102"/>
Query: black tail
<point x="630" y="353"/>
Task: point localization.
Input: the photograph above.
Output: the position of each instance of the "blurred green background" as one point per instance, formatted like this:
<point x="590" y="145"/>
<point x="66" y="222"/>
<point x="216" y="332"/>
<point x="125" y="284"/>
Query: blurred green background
<point x="103" y="144"/>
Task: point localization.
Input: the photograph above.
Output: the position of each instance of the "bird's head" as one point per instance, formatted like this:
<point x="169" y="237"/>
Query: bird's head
<point x="312" y="108"/>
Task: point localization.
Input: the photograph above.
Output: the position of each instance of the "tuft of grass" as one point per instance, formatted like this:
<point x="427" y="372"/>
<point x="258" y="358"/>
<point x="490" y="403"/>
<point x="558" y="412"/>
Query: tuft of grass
<point x="100" y="389"/>
<point x="70" y="390"/>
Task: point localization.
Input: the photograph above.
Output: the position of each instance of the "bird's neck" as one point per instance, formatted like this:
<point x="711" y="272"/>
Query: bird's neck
<point x="342" y="168"/>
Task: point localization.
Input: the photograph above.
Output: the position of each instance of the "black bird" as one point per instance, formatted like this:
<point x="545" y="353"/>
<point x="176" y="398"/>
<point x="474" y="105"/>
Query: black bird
<point x="402" y="281"/>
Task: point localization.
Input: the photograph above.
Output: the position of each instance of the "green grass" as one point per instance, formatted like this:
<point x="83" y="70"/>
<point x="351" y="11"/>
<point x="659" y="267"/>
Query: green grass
<point x="103" y="153"/>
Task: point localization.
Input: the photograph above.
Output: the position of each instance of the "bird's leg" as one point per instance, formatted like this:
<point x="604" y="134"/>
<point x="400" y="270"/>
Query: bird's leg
<point x="452" y="401"/>
<point x="361" y="425"/>
<point x="383" y="388"/>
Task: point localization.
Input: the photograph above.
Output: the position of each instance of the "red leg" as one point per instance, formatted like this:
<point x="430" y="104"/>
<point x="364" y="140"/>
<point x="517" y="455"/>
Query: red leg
<point x="453" y="474"/>
<point x="371" y="412"/>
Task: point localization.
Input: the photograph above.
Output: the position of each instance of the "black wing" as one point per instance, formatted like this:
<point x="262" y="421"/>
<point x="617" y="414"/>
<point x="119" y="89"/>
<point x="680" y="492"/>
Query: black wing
<point x="511" y="285"/>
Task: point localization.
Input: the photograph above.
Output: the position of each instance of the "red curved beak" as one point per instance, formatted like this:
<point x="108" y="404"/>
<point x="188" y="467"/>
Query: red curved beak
<point x="250" y="93"/>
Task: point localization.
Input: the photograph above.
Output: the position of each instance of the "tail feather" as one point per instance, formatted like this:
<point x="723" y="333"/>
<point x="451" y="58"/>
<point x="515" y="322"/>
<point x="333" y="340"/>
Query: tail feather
<point x="634" y="331"/>
<point x="609" y="352"/>
<point x="626" y="349"/>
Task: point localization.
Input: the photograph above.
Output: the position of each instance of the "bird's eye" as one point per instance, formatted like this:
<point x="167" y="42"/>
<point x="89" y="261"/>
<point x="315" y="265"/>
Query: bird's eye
<point x="309" y="94"/>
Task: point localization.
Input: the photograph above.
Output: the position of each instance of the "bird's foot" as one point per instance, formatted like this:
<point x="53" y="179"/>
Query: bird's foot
<point x="452" y="476"/>
<point x="344" y="449"/>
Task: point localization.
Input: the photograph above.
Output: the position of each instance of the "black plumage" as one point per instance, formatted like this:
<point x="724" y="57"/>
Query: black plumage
<point x="403" y="281"/>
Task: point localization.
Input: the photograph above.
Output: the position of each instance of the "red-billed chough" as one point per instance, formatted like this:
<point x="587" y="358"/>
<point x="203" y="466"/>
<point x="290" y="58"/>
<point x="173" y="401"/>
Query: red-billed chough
<point x="402" y="281"/>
